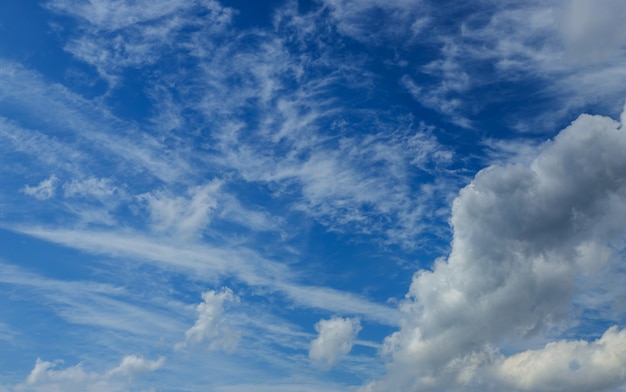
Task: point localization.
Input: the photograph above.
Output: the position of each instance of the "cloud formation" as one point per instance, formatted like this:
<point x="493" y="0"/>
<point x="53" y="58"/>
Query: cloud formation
<point x="179" y="215"/>
<point x="335" y="339"/>
<point x="525" y="235"/>
<point x="279" y="149"/>
<point x="212" y="326"/>
<point x="44" y="190"/>
<point x="576" y="366"/>
<point x="46" y="376"/>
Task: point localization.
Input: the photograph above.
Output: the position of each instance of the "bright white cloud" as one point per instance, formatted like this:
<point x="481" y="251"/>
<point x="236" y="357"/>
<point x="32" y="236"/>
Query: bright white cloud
<point x="46" y="376"/>
<point x="573" y="366"/>
<point x="335" y="339"/>
<point x="523" y="236"/>
<point x="184" y="216"/>
<point x="44" y="190"/>
<point x="295" y="122"/>
<point x="213" y="326"/>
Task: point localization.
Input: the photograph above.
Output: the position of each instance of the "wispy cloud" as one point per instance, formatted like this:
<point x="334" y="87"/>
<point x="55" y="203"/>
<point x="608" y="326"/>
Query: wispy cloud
<point x="560" y="46"/>
<point x="212" y="327"/>
<point x="44" y="190"/>
<point x="298" y="158"/>
<point x="94" y="304"/>
<point x="210" y="262"/>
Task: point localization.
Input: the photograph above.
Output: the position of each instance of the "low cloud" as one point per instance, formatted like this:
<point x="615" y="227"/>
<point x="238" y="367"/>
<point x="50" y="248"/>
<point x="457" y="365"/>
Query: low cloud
<point x="335" y="339"/>
<point x="527" y="237"/>
<point x="212" y="326"/>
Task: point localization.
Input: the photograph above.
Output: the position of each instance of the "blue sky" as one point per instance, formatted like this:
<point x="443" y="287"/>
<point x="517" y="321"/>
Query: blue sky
<point x="326" y="195"/>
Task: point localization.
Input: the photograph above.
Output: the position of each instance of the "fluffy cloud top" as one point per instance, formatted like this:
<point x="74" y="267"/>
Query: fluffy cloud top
<point x="524" y="235"/>
<point x="335" y="339"/>
<point x="212" y="325"/>
<point x="46" y="376"/>
<point x="574" y="366"/>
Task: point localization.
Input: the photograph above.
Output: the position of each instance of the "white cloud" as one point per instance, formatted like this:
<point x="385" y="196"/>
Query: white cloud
<point x="335" y="339"/>
<point x="354" y="182"/>
<point x="212" y="326"/>
<point x="115" y="35"/>
<point x="375" y="21"/>
<point x="87" y="128"/>
<point x="524" y="236"/>
<point x="98" y="188"/>
<point x="44" y="190"/>
<point x="7" y="334"/>
<point x="573" y="366"/>
<point x="43" y="150"/>
<point x="46" y="376"/>
<point x="132" y="365"/>
<point x="572" y="52"/>
<point x="206" y="262"/>
<point x="179" y="215"/>
<point x="443" y="98"/>
<point x="101" y="306"/>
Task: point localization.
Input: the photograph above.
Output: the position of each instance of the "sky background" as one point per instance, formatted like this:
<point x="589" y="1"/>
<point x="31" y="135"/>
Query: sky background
<point x="324" y="195"/>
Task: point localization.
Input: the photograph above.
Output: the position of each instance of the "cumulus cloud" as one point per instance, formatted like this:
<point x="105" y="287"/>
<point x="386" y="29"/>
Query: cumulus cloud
<point x="44" y="190"/>
<point x="525" y="236"/>
<point x="212" y="325"/>
<point x="335" y="339"/>
<point x="47" y="376"/>
<point x="573" y="366"/>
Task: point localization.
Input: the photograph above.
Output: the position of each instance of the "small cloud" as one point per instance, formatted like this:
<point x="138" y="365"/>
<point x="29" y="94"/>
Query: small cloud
<point x="335" y="339"/>
<point x="132" y="365"/>
<point x="212" y="326"/>
<point x="47" y="376"/>
<point x="183" y="215"/>
<point x="99" y="188"/>
<point x="44" y="190"/>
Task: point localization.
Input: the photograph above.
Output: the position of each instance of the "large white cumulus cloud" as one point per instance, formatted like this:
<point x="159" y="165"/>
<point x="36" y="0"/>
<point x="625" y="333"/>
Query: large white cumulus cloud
<point x="525" y="237"/>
